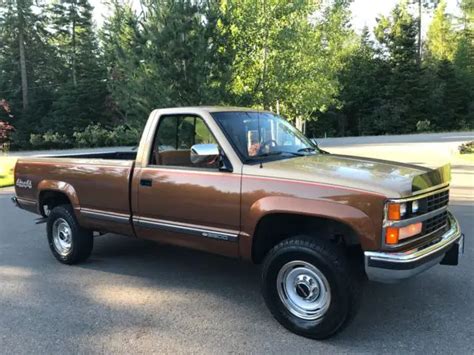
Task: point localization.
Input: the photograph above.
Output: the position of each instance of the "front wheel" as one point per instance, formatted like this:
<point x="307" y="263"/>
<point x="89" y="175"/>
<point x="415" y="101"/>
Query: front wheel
<point x="69" y="242"/>
<point x="308" y="286"/>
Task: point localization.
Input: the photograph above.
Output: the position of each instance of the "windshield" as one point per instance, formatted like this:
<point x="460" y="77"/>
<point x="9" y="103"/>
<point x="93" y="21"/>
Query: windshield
<point x="261" y="134"/>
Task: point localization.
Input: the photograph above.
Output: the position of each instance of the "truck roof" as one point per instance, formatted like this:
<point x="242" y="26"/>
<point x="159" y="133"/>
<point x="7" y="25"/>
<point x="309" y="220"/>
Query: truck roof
<point x="191" y="109"/>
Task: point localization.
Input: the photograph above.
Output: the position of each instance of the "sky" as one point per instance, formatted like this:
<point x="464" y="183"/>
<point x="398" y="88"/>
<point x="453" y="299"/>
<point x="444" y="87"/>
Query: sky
<point x="364" y="12"/>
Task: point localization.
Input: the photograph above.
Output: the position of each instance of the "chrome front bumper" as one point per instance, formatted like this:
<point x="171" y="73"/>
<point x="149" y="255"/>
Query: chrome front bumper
<point x="392" y="267"/>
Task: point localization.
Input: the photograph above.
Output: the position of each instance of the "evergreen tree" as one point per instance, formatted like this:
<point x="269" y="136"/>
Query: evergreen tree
<point x="464" y="62"/>
<point x="405" y="94"/>
<point x="81" y="91"/>
<point x="422" y="5"/>
<point x="123" y="45"/>
<point x="441" y="43"/>
<point x="174" y="56"/>
<point x="27" y="65"/>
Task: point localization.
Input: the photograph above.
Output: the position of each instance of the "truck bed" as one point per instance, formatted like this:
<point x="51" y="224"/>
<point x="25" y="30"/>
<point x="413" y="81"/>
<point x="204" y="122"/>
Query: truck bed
<point x="119" y="155"/>
<point x="101" y="181"/>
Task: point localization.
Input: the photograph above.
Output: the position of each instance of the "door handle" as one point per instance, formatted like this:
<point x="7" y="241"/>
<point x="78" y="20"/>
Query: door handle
<point x="146" y="182"/>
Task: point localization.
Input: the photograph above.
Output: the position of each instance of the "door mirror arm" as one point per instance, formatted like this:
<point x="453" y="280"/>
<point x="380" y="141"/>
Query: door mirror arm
<point x="225" y="164"/>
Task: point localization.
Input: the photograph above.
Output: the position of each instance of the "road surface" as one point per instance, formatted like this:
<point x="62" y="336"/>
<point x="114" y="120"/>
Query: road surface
<point x="139" y="297"/>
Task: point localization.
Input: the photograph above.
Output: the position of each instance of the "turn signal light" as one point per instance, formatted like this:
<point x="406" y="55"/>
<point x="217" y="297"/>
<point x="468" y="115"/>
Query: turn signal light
<point x="393" y="234"/>
<point x="394" y="211"/>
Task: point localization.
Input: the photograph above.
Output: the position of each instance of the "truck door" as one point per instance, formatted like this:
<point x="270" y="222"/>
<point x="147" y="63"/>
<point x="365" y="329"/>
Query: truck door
<point x="182" y="203"/>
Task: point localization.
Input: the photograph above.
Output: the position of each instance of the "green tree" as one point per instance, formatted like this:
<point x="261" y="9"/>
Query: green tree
<point x="171" y="55"/>
<point x="27" y="64"/>
<point x="441" y="43"/>
<point x="80" y="93"/>
<point x="422" y="5"/>
<point x="405" y="94"/>
<point x="286" y="57"/>
<point x="463" y="59"/>
<point x="123" y="45"/>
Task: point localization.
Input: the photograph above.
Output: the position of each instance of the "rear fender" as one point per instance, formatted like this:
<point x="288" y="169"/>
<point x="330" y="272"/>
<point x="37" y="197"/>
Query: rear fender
<point x="59" y="186"/>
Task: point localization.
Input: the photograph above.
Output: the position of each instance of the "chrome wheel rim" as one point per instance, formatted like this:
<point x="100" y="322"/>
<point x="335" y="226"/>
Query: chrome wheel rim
<point x="62" y="237"/>
<point x="304" y="290"/>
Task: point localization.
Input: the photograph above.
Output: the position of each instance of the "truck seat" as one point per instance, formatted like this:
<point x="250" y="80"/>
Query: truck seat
<point x="174" y="157"/>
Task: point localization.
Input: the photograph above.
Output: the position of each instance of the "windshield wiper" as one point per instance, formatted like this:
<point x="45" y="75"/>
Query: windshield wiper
<point x="277" y="152"/>
<point x="307" y="149"/>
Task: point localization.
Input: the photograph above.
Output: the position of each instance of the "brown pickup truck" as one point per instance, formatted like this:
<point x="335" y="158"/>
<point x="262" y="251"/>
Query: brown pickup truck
<point x="246" y="184"/>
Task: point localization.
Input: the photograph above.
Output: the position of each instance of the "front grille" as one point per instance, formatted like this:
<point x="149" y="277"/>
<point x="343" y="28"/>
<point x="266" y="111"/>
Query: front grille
<point x="434" y="223"/>
<point x="436" y="201"/>
<point x="433" y="227"/>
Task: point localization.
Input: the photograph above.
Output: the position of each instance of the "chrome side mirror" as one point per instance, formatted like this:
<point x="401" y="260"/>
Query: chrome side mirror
<point x="204" y="153"/>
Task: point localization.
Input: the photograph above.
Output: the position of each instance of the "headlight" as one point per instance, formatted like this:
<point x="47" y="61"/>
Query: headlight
<point x="403" y="209"/>
<point x="415" y="206"/>
<point x="393" y="234"/>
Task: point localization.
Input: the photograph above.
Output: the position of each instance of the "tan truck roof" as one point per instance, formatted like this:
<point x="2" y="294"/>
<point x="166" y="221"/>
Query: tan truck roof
<point x="209" y="109"/>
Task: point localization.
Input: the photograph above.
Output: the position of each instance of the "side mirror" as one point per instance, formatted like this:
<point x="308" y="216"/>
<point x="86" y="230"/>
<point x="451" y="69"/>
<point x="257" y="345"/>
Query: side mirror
<point x="204" y="153"/>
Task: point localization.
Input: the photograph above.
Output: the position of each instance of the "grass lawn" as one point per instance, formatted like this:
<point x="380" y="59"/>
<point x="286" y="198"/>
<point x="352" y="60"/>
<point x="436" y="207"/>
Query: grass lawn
<point x="7" y="165"/>
<point x="468" y="157"/>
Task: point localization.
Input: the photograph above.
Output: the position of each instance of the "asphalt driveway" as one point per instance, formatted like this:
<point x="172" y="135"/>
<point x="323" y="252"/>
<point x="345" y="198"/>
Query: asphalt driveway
<point x="140" y="297"/>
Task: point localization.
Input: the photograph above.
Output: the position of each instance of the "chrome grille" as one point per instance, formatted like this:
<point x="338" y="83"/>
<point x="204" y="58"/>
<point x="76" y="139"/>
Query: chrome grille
<point x="434" y="223"/>
<point x="431" y="212"/>
<point x="436" y="201"/>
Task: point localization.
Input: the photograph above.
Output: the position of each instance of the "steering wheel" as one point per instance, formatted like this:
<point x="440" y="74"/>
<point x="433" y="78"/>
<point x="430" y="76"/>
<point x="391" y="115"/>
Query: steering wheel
<point x="267" y="143"/>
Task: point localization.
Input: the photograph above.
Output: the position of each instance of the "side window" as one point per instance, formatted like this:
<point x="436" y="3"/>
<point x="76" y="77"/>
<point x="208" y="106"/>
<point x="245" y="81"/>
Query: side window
<point x="165" y="138"/>
<point x="202" y="134"/>
<point x="175" y="137"/>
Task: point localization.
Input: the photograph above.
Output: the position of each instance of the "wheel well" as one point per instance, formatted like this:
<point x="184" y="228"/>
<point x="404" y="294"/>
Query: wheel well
<point x="274" y="228"/>
<point x="51" y="199"/>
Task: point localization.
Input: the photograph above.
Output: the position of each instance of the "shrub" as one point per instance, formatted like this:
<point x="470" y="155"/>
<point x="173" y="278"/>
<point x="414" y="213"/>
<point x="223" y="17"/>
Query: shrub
<point x="423" y="126"/>
<point x="98" y="136"/>
<point x="50" y="140"/>
<point x="467" y="148"/>
<point x="92" y="136"/>
<point x="6" y="129"/>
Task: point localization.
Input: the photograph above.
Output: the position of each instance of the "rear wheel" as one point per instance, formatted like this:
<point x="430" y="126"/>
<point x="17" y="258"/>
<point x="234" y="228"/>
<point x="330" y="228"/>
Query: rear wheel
<point x="308" y="286"/>
<point x="69" y="242"/>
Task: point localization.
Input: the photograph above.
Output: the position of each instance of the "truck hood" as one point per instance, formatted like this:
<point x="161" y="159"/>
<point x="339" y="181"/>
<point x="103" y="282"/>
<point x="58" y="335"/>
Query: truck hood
<point x="391" y="179"/>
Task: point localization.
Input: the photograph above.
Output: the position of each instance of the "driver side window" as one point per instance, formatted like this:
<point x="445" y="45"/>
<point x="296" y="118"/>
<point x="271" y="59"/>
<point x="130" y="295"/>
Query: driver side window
<point x="175" y="136"/>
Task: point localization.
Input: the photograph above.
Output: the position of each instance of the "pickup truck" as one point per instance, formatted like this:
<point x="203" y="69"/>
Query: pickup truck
<point x="246" y="184"/>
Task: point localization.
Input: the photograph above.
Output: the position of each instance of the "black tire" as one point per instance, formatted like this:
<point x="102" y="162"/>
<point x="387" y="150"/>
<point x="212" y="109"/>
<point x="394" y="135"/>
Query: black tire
<point x="81" y="241"/>
<point x="332" y="263"/>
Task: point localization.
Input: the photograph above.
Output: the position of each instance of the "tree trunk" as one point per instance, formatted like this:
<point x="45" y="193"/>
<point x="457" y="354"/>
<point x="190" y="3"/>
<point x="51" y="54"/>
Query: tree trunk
<point x="265" y="58"/>
<point x="419" y="31"/>
<point x="73" y="59"/>
<point x="21" y="44"/>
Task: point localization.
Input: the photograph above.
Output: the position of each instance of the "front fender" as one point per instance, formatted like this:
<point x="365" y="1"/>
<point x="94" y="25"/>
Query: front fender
<point x="356" y="219"/>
